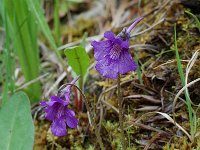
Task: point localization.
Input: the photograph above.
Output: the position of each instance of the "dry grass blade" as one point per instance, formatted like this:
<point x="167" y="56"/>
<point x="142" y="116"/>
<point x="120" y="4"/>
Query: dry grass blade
<point x="61" y="77"/>
<point x="145" y="46"/>
<point x="146" y="127"/>
<point x="111" y="88"/>
<point x="172" y="121"/>
<point x="155" y="137"/>
<point x="145" y="89"/>
<point x="148" y="29"/>
<point x="148" y="108"/>
<point x="169" y="62"/>
<point x="31" y="82"/>
<point x="97" y="38"/>
<point x="189" y="66"/>
<point x="183" y="89"/>
<point x="111" y="106"/>
<point x="146" y="97"/>
<point x="118" y="13"/>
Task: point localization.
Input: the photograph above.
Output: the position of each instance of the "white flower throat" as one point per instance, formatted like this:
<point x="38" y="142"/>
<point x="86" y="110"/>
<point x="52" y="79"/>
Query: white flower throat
<point x="115" y="51"/>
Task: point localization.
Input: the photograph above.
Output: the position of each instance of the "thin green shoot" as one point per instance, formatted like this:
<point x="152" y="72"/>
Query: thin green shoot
<point x="164" y="52"/>
<point x="37" y="11"/>
<point x="8" y="62"/>
<point x="21" y="25"/>
<point x="57" y="23"/>
<point x="182" y="77"/>
<point x="195" y="18"/>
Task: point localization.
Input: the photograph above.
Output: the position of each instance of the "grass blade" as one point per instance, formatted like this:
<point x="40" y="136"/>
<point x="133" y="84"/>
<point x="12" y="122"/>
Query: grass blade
<point x="37" y="12"/>
<point x="195" y="18"/>
<point x="57" y="23"/>
<point x="21" y="22"/>
<point x="8" y="62"/>
<point x="181" y="73"/>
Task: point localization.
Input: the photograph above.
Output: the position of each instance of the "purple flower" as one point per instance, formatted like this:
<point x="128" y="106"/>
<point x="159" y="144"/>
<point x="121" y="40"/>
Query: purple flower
<point x="58" y="112"/>
<point x="112" y="55"/>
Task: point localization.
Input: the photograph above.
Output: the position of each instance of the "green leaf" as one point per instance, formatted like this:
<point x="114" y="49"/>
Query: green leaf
<point x="37" y="12"/>
<point x="57" y="22"/>
<point x="16" y="127"/>
<point x="21" y="28"/>
<point x="182" y="77"/>
<point x="78" y="60"/>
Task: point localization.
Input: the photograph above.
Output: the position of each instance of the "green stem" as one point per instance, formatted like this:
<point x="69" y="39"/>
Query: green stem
<point x="91" y="118"/>
<point x="120" y="103"/>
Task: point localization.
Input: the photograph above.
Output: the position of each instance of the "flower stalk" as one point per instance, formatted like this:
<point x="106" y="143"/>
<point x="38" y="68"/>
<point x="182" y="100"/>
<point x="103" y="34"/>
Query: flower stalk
<point x="57" y="111"/>
<point x="121" y="121"/>
<point x="99" y="139"/>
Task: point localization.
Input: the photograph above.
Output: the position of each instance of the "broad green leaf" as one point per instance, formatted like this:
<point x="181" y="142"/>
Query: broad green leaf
<point x="16" y="127"/>
<point x="78" y="60"/>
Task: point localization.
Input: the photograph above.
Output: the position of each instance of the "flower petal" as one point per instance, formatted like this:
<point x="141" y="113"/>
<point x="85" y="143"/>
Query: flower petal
<point x="70" y="112"/>
<point x="109" y="35"/>
<point x="107" y="68"/>
<point x="125" y="44"/>
<point x="118" y="40"/>
<point x="51" y="111"/>
<point x="57" y="99"/>
<point x="126" y="63"/>
<point x="58" y="127"/>
<point x="71" y="120"/>
<point x="43" y="103"/>
<point x="101" y="49"/>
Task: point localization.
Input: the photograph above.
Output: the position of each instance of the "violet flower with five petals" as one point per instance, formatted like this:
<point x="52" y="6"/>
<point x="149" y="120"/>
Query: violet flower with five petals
<point x="58" y="112"/>
<point x="113" y="55"/>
